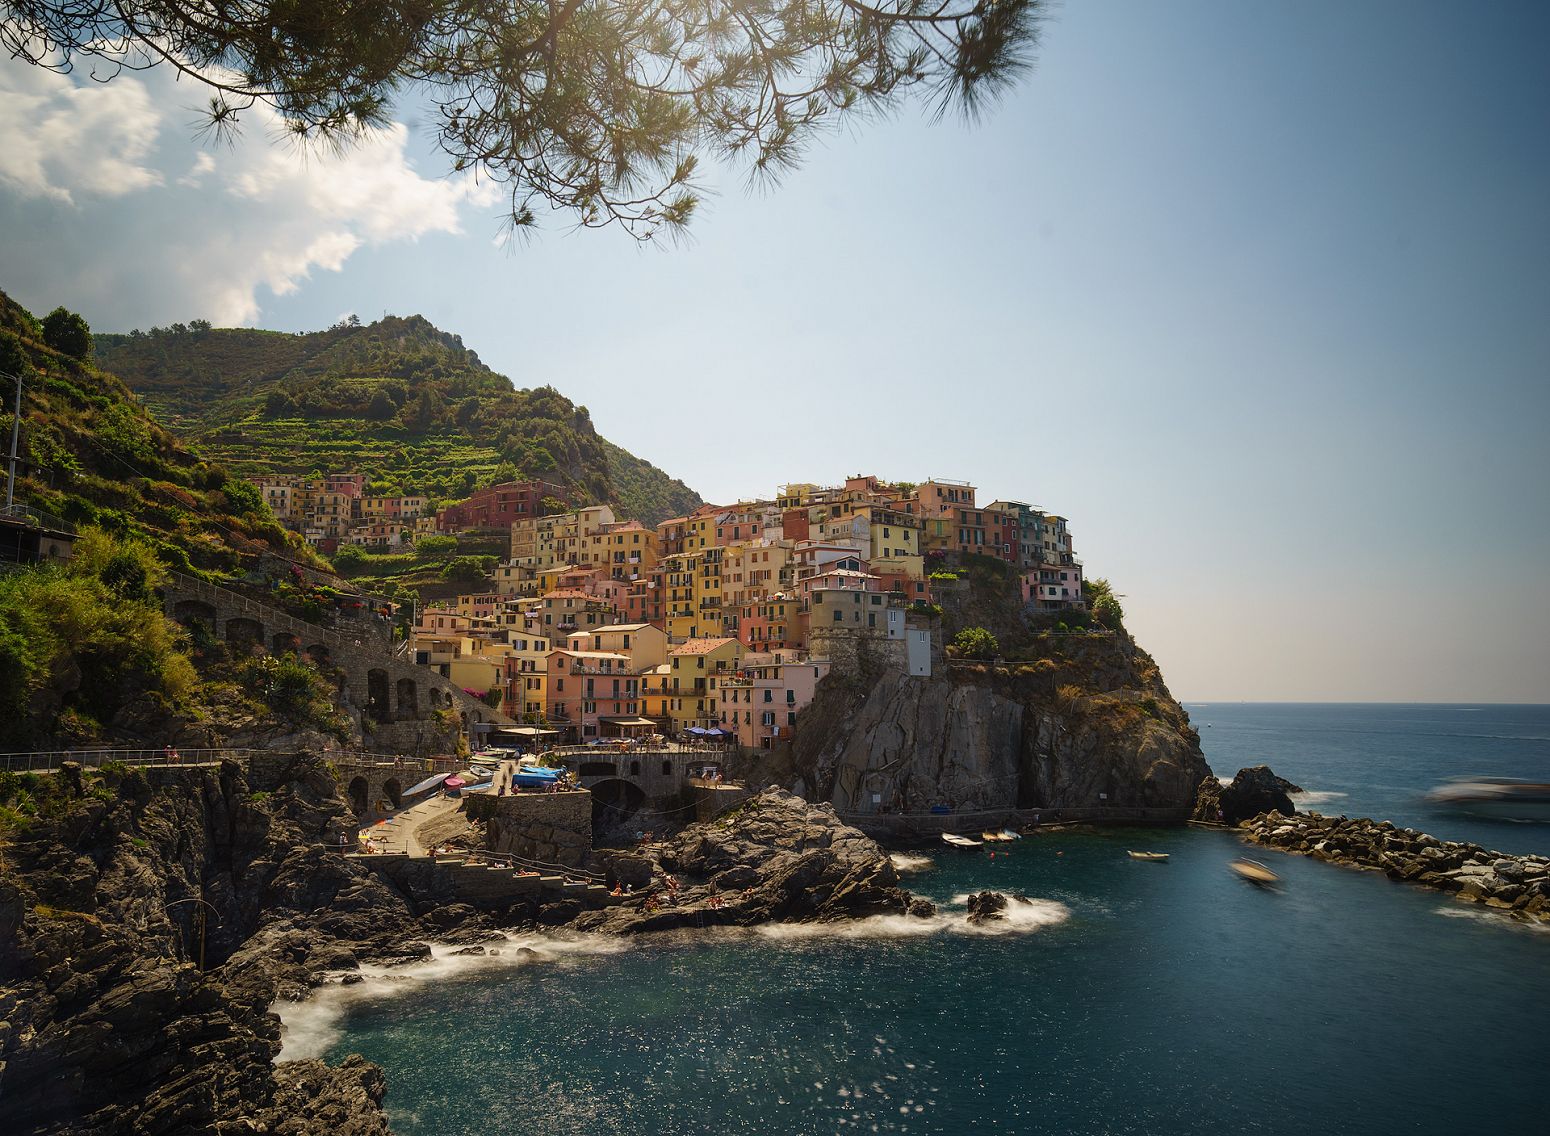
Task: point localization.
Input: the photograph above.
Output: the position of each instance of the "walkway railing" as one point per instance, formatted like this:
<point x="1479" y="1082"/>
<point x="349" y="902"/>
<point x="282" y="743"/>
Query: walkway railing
<point x="46" y="761"/>
<point x="580" y="874"/>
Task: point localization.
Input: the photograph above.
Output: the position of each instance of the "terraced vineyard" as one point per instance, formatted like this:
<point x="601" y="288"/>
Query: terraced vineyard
<point x="398" y="400"/>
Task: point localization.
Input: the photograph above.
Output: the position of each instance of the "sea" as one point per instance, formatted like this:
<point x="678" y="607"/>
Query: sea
<point x="1121" y="997"/>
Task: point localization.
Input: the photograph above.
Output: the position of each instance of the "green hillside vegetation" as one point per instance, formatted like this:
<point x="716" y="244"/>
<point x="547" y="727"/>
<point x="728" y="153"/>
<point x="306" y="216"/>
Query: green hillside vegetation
<point x="398" y="400"/>
<point x="93" y="456"/>
<point x="89" y="658"/>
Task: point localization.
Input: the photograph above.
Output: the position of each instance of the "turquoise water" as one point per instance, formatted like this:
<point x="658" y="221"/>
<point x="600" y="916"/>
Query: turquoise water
<point x="1160" y="998"/>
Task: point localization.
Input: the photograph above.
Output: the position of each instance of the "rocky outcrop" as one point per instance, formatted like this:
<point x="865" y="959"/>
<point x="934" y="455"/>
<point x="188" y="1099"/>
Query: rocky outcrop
<point x="1253" y="791"/>
<point x="774" y="858"/>
<point x="1088" y="724"/>
<point x="146" y="926"/>
<point x="1517" y="885"/>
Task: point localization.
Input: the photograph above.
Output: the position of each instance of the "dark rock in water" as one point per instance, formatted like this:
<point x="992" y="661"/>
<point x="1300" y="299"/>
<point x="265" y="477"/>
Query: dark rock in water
<point x="1253" y="791"/>
<point x="985" y="906"/>
<point x="1208" y="802"/>
<point x="775" y="858"/>
<point x="469" y="951"/>
<point x="921" y="908"/>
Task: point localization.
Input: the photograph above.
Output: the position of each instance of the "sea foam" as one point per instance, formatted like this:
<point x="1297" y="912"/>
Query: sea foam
<point x="906" y="863"/>
<point x="310" y="1028"/>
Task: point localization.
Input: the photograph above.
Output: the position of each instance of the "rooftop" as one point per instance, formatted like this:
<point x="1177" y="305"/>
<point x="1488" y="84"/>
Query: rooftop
<point x="700" y="646"/>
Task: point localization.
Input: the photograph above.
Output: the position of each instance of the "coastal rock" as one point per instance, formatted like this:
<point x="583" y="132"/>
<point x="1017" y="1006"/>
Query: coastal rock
<point x="1514" y="884"/>
<point x="774" y="858"/>
<point x="1254" y="791"/>
<point x="145" y="929"/>
<point x="1084" y="722"/>
<point x="985" y="906"/>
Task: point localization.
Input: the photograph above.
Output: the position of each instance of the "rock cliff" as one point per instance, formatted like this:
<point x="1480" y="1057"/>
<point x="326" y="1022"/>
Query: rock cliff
<point x="1078" y="721"/>
<point x="109" y="902"/>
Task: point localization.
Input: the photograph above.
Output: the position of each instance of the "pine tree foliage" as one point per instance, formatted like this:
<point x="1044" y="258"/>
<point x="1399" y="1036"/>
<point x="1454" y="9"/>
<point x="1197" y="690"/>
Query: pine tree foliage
<point x="599" y="108"/>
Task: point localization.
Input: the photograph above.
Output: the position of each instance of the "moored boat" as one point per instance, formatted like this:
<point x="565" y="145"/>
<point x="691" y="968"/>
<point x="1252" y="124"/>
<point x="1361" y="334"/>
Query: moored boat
<point x="960" y="841"/>
<point x="1254" y="872"/>
<point x="1154" y="856"/>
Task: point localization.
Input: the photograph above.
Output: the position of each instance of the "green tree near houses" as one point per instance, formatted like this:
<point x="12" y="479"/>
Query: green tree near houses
<point x="1104" y="605"/>
<point x="975" y="643"/>
<point x="599" y="109"/>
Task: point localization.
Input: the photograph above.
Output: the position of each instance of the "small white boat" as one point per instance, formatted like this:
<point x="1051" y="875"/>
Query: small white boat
<point x="961" y="841"/>
<point x="1008" y="834"/>
<point x="1254" y="872"/>
<point x="1154" y="856"/>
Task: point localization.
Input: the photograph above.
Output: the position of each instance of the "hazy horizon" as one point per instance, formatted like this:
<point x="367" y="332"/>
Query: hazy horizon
<point x="1256" y="299"/>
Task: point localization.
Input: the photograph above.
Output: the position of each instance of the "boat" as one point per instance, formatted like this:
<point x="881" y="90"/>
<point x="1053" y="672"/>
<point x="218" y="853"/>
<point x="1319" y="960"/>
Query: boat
<point x="960" y="841"/>
<point x="1155" y="856"/>
<point x="1008" y="834"/>
<point x="1494" y="798"/>
<point x="990" y="837"/>
<point x="1254" y="872"/>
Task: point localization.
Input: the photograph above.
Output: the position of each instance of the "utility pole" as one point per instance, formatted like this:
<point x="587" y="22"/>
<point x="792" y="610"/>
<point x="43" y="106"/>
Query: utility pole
<point x="16" y="426"/>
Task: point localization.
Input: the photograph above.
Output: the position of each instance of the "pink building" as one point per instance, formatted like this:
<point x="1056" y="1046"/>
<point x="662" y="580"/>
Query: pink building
<point x="762" y="707"/>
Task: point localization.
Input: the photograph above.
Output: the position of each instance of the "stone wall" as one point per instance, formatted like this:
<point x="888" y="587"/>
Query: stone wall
<point x="554" y="828"/>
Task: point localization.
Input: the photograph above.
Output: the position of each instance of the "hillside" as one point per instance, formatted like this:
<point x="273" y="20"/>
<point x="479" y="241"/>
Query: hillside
<point x="93" y="456"/>
<point x="398" y="400"/>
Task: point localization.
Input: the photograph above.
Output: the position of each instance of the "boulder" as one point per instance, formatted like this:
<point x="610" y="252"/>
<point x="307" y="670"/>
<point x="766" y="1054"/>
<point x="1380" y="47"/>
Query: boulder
<point x="986" y="906"/>
<point x="1254" y="791"/>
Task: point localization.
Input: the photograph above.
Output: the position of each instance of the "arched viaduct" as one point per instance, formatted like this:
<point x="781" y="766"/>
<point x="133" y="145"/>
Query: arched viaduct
<point x="388" y="688"/>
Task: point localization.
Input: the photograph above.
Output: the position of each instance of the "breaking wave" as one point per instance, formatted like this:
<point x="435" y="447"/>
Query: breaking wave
<point x="906" y="863"/>
<point x="1316" y="797"/>
<point x="1020" y="916"/>
<point x="310" y="1028"/>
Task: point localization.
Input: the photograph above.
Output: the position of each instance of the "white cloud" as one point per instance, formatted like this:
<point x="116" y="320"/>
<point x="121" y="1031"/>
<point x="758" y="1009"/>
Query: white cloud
<point x="58" y="139"/>
<point x="93" y="170"/>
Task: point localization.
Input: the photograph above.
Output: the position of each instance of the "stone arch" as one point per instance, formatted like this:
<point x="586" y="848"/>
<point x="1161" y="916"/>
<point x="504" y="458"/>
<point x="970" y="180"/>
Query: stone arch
<point x="635" y="768"/>
<point x="394" y="792"/>
<point x="359" y="794"/>
<point x="408" y="703"/>
<point x="192" y="611"/>
<point x="667" y="768"/>
<point x="285" y="643"/>
<point x="242" y="631"/>
<point x="377" y="704"/>
<point x="615" y="801"/>
<point x="320" y="655"/>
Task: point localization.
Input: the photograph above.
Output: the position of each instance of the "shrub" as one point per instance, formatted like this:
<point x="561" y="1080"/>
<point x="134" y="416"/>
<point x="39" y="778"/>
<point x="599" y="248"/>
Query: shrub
<point x="975" y="643"/>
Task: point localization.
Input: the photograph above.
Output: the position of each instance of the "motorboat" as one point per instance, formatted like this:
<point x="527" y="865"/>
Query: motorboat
<point x="1494" y="798"/>
<point x="1009" y="834"/>
<point x="961" y="841"/>
<point x="1254" y="872"/>
<point x="1156" y="857"/>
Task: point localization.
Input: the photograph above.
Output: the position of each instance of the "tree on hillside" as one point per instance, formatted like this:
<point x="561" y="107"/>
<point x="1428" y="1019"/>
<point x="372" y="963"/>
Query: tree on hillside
<point x="599" y="108"/>
<point x="975" y="643"/>
<point x="1102" y="602"/>
<point x="65" y="331"/>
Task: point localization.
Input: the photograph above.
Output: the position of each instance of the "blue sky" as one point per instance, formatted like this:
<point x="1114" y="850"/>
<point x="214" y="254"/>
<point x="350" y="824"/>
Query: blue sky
<point x="1256" y="294"/>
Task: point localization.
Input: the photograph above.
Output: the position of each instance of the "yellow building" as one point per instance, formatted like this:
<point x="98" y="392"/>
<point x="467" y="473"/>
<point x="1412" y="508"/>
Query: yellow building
<point x="643" y="644"/>
<point x="679" y="580"/>
<point x="694" y="700"/>
<point x="656" y="687"/>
